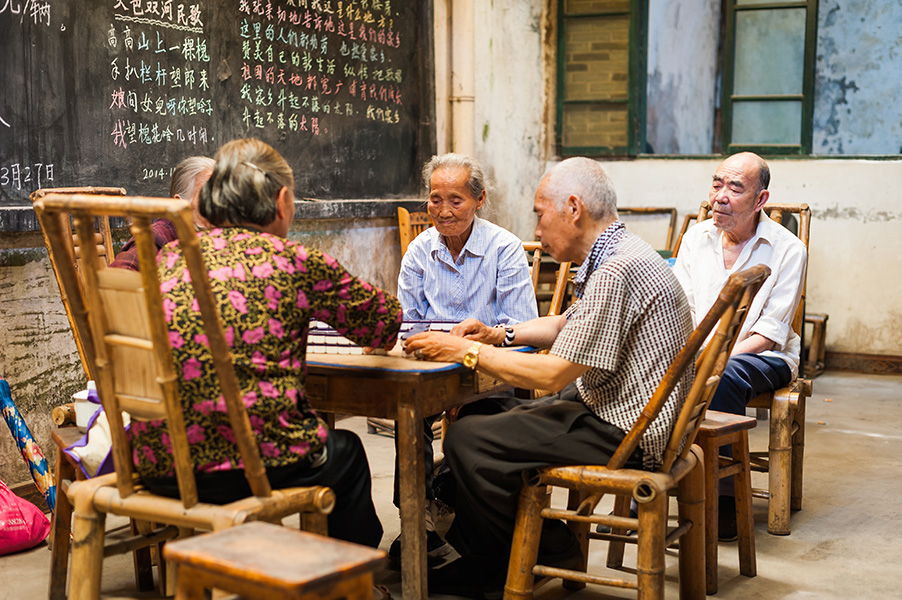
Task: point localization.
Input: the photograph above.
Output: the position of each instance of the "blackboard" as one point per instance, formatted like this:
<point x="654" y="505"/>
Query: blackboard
<point x="116" y="92"/>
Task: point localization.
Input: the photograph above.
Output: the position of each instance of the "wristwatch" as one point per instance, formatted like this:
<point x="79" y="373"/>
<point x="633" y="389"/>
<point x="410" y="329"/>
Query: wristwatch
<point x="471" y="358"/>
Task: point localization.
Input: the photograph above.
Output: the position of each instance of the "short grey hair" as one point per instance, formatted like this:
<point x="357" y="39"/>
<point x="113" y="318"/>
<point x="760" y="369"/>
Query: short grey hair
<point x="477" y="182"/>
<point x="245" y="184"/>
<point x="586" y="178"/>
<point x="186" y="176"/>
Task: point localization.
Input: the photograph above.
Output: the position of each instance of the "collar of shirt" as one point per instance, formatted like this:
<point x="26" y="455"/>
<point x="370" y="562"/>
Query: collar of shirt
<point x="602" y="249"/>
<point x="476" y="244"/>
<point x="764" y="232"/>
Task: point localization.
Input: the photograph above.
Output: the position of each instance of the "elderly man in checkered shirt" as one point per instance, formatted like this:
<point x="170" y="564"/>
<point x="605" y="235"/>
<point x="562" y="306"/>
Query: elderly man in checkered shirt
<point x="608" y="352"/>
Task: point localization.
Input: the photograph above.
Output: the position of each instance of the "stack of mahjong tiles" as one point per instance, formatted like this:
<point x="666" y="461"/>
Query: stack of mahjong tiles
<point x="323" y="339"/>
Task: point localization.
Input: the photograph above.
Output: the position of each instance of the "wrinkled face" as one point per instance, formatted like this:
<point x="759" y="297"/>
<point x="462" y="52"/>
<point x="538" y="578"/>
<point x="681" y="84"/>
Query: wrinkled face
<point x="553" y="229"/>
<point x="734" y="195"/>
<point x="450" y="204"/>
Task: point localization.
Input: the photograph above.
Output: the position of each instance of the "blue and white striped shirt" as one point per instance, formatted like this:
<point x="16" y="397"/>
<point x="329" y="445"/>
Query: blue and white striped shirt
<point x="489" y="281"/>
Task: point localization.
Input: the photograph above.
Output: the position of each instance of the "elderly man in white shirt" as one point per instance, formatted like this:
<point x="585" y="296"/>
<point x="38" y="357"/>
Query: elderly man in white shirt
<point x="738" y="236"/>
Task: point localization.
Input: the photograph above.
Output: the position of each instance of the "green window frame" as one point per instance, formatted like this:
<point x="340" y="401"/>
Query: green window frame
<point x="606" y="118"/>
<point x="768" y="76"/>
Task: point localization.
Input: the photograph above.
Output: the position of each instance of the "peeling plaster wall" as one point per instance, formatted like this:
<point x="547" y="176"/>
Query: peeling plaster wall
<point x="855" y="258"/>
<point x="680" y="106"/>
<point x="858" y="78"/>
<point x="38" y="355"/>
<point x="509" y="134"/>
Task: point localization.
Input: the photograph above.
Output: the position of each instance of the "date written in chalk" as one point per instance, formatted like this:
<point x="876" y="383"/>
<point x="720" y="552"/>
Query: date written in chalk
<point x="16" y="175"/>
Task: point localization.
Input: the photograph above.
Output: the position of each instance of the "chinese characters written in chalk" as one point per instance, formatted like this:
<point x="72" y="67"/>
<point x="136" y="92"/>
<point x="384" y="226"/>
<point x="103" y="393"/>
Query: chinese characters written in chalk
<point x="308" y="63"/>
<point x="38" y="12"/>
<point x="16" y="175"/>
<point x="160" y="91"/>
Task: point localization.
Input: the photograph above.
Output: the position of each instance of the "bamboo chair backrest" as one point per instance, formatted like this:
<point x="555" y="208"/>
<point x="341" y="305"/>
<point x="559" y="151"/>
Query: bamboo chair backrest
<point x="655" y="210"/>
<point x="103" y="243"/>
<point x="562" y="278"/>
<point x="776" y="211"/>
<point x="410" y="225"/>
<point x="134" y="364"/>
<point x="727" y="315"/>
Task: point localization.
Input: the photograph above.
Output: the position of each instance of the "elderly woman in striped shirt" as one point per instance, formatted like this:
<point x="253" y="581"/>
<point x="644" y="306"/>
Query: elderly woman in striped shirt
<point x="463" y="267"/>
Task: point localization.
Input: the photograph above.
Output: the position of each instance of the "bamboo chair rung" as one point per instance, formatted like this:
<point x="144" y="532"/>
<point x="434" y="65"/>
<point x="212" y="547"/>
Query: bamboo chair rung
<point x="128" y="341"/>
<point x="552" y="572"/>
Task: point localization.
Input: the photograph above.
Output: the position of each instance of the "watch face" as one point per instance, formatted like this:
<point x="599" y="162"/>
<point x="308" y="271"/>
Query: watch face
<point x="470" y="361"/>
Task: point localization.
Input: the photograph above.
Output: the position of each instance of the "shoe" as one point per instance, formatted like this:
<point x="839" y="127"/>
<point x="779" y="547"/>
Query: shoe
<point x="726" y="519"/>
<point x="436" y="549"/>
<point x="606" y="529"/>
<point x="470" y="577"/>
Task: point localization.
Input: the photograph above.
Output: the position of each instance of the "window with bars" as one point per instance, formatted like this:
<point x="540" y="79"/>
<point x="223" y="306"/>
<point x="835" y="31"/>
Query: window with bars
<point x="768" y="76"/>
<point x="601" y="77"/>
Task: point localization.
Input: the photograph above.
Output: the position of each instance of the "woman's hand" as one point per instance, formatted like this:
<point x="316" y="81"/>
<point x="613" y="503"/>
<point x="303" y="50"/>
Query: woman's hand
<point x="478" y="332"/>
<point x="437" y="346"/>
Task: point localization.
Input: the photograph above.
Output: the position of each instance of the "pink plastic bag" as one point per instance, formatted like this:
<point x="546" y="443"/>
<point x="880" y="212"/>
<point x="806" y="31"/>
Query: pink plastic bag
<point x="22" y="524"/>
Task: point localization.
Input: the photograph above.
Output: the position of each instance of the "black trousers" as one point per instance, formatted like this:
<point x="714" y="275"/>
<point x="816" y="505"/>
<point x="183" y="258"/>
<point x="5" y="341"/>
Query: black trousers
<point x="745" y="377"/>
<point x="346" y="471"/>
<point x="488" y="454"/>
<point x="494" y="404"/>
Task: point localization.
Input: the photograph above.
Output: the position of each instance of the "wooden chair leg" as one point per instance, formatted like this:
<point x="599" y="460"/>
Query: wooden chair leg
<point x="691" y="507"/>
<point x="142" y="557"/>
<point x="88" y="530"/>
<point x="62" y="527"/>
<point x="190" y="585"/>
<point x="525" y="544"/>
<point x="650" y="559"/>
<point x="615" y="549"/>
<point x="780" y="465"/>
<point x="798" y="454"/>
<point x="709" y="447"/>
<point x="744" y="519"/>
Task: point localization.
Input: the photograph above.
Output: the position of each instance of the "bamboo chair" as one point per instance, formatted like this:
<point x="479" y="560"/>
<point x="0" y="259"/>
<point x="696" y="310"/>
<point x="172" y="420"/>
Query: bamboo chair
<point x="135" y="373"/>
<point x="410" y="225"/>
<point x="103" y="242"/>
<point x="655" y="210"/>
<point x="784" y="458"/>
<point x="682" y="471"/>
<point x="561" y="277"/>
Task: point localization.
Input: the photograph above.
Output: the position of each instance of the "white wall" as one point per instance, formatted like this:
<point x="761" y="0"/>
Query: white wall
<point x="855" y="258"/>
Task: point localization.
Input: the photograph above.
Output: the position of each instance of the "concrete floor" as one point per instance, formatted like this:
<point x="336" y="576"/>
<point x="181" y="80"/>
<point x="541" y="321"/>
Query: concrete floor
<point x="845" y="543"/>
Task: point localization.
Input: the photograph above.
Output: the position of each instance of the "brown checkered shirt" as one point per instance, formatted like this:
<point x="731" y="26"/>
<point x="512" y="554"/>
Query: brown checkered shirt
<point x="630" y="323"/>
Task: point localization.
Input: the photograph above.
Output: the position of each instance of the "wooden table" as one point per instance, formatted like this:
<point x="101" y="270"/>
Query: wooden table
<point x="405" y="390"/>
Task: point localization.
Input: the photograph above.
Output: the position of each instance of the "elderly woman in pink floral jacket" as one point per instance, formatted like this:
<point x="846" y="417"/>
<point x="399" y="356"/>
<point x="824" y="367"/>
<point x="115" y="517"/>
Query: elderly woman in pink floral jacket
<point x="268" y="289"/>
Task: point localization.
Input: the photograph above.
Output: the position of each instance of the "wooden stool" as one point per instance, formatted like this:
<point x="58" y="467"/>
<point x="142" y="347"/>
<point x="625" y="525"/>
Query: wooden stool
<point x="814" y="366"/>
<point x="262" y="560"/>
<point x="718" y="430"/>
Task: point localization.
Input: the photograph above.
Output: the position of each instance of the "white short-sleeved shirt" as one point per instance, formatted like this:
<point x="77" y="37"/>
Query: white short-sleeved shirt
<point x="700" y="269"/>
<point x="489" y="281"/>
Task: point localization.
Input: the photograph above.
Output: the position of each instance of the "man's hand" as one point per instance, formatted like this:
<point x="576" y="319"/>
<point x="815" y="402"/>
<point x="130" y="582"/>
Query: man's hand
<point x="437" y="346"/>
<point x="478" y="332"/>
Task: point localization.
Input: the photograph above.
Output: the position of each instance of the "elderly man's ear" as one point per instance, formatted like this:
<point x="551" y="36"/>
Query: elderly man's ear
<point x="574" y="207"/>
<point x="763" y="197"/>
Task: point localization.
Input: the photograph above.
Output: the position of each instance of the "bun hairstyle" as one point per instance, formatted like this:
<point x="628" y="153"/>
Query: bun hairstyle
<point x="245" y="184"/>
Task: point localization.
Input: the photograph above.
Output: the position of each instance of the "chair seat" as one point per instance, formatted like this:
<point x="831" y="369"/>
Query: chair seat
<point x="262" y="560"/>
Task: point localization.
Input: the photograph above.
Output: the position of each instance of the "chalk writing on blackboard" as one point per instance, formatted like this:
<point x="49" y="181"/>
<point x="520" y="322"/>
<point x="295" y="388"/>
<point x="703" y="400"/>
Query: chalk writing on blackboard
<point x="160" y="90"/>
<point x="37" y="11"/>
<point x="292" y="82"/>
<point x="16" y="176"/>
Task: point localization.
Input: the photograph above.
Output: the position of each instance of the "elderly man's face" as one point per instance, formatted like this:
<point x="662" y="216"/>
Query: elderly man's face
<point x="554" y="230"/>
<point x="734" y="195"/>
<point x="451" y="205"/>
